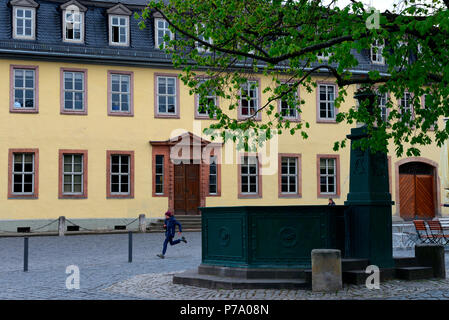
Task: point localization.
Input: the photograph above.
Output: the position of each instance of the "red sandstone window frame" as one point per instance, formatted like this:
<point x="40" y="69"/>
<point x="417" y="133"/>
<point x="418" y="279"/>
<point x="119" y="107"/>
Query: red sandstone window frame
<point x="177" y="113"/>
<point x="337" y="178"/>
<point x="130" y="113"/>
<point x="130" y="194"/>
<point x="62" y="95"/>
<point x="35" y="194"/>
<point x="258" y="116"/>
<point x="199" y="116"/>
<point x="13" y="67"/>
<point x="160" y="151"/>
<point x="296" y="118"/>
<point x="61" y="194"/>
<point x="242" y="195"/>
<point x="298" y="193"/>
<point x="215" y="152"/>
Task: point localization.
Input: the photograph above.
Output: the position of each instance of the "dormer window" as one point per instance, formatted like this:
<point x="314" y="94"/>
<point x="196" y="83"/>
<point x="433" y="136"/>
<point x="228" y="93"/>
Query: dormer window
<point x="119" y="25"/>
<point x="24" y="19"/>
<point x="73" y="21"/>
<point x="162" y="30"/>
<point x="376" y="52"/>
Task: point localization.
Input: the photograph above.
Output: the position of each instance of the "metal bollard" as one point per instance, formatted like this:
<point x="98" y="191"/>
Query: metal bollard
<point x="25" y="254"/>
<point x="130" y="246"/>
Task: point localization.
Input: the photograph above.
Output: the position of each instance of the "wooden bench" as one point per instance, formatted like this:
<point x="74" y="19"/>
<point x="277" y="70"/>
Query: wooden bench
<point x="437" y="232"/>
<point x="421" y="231"/>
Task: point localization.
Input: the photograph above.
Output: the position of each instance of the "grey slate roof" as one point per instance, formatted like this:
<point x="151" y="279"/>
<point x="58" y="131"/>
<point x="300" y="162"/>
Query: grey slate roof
<point x="96" y="49"/>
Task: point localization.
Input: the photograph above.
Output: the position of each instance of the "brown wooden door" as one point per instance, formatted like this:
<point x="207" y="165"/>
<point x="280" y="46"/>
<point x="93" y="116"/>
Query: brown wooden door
<point x="407" y="196"/>
<point x="416" y="196"/>
<point x="425" y="205"/>
<point x="187" y="188"/>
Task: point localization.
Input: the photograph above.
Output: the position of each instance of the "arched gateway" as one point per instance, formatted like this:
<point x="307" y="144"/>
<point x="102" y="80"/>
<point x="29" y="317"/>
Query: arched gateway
<point x="417" y="188"/>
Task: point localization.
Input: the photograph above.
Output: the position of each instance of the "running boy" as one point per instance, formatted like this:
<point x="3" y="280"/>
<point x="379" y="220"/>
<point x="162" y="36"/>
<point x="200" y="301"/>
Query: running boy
<point x="170" y="224"/>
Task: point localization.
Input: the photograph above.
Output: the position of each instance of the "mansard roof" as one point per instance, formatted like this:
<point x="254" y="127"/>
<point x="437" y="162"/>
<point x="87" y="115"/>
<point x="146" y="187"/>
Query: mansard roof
<point x="49" y="44"/>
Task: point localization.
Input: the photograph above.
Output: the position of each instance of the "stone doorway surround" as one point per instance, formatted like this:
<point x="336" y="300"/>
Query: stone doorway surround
<point x="186" y="148"/>
<point x="436" y="195"/>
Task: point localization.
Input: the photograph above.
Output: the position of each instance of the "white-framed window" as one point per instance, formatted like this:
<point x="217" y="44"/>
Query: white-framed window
<point x="406" y="103"/>
<point x="376" y="52"/>
<point x="73" y="22"/>
<point x="24" y="88"/>
<point x="287" y="111"/>
<point x="249" y="99"/>
<point x="202" y="108"/>
<point x="120" y="174"/>
<point x="161" y="30"/>
<point x="120" y="92"/>
<point x="289" y="175"/>
<point x="73" y="174"/>
<point x="23" y="173"/>
<point x="249" y="175"/>
<point x="24" y="23"/>
<point x="213" y="175"/>
<point x="166" y="95"/>
<point x="328" y="176"/>
<point x="383" y="99"/>
<point x="159" y="174"/>
<point x="326" y="103"/>
<point x="118" y="30"/>
<point x="74" y="91"/>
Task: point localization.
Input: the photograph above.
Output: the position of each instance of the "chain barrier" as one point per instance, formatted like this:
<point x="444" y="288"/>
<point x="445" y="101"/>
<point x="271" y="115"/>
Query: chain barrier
<point x="32" y="230"/>
<point x="74" y="224"/>
<point x="132" y="221"/>
<point x="56" y="220"/>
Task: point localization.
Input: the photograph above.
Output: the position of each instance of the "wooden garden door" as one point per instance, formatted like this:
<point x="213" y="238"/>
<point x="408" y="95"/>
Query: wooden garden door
<point x="416" y="192"/>
<point x="187" y="188"/>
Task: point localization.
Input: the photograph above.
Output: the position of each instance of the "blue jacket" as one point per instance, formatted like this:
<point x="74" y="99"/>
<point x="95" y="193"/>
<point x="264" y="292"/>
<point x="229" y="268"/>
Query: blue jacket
<point x="171" y="224"/>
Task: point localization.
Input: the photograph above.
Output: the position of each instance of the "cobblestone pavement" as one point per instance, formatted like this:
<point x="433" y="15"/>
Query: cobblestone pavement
<point x="102" y="261"/>
<point x="159" y="286"/>
<point x="106" y="274"/>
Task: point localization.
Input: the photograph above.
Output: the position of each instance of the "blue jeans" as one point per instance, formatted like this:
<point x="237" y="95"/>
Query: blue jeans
<point x="172" y="243"/>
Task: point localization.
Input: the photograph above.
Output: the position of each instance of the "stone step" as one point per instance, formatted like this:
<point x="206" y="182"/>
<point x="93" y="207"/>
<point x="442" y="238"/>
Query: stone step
<point x="356" y="276"/>
<point x="359" y="276"/>
<point x="414" y="273"/>
<point x="401" y="262"/>
<point x="353" y="264"/>
<point x="151" y="230"/>
<point x="251" y="273"/>
<point x="161" y="224"/>
<point x="193" y="278"/>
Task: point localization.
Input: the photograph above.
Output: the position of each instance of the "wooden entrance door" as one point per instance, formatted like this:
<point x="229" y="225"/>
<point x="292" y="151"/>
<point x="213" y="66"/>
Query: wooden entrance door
<point x="416" y="194"/>
<point x="187" y="188"/>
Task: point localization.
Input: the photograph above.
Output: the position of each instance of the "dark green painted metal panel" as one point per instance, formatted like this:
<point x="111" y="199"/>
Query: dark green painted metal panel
<point x="268" y="237"/>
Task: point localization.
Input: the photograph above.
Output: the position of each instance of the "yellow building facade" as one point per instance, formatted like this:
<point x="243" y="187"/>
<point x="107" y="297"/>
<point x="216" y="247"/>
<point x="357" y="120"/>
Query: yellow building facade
<point x="49" y="131"/>
<point x="98" y="134"/>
